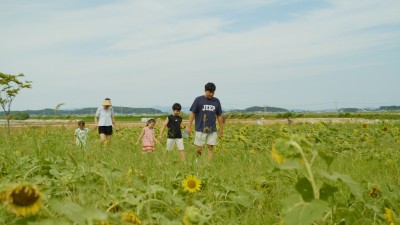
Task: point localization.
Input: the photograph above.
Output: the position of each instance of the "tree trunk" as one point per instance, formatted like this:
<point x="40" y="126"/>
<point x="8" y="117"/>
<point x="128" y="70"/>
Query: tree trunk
<point x="8" y="125"/>
<point x="8" y="121"/>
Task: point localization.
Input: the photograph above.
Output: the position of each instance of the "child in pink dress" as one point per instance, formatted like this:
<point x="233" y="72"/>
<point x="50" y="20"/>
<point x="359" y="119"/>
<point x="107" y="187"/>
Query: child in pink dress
<point x="147" y="136"/>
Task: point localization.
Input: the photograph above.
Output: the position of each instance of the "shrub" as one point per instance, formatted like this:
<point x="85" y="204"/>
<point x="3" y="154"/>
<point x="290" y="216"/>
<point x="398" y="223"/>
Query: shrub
<point x="21" y="116"/>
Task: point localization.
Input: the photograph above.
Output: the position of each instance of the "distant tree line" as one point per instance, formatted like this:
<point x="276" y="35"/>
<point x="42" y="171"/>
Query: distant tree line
<point x="21" y="115"/>
<point x="89" y="111"/>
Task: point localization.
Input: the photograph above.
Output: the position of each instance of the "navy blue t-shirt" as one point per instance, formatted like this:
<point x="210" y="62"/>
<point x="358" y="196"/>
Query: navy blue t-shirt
<point x="206" y="112"/>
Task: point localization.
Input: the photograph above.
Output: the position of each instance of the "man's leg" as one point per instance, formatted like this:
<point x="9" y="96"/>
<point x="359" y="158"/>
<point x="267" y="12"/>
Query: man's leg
<point x="198" y="150"/>
<point x="211" y="141"/>
<point x="199" y="141"/>
<point x="210" y="152"/>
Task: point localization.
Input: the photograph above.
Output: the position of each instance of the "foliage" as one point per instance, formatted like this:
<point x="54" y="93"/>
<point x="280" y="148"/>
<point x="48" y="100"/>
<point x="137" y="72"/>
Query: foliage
<point x="333" y="174"/>
<point x="360" y="115"/>
<point x="10" y="86"/>
<point x="21" y="116"/>
<point x="56" y="110"/>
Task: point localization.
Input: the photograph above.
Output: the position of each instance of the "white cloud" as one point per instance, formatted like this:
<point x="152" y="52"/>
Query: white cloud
<point x="154" y="42"/>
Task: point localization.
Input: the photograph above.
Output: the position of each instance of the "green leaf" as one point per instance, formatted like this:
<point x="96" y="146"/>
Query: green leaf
<point x="347" y="216"/>
<point x="55" y="173"/>
<point x="156" y="188"/>
<point x="91" y="214"/>
<point x="327" y="191"/>
<point x="355" y="187"/>
<point x="304" y="187"/>
<point x="328" y="159"/>
<point x="242" y="199"/>
<point x="70" y="210"/>
<point x="50" y="222"/>
<point x="290" y="164"/>
<point x="78" y="214"/>
<point x="298" y="212"/>
<point x="284" y="146"/>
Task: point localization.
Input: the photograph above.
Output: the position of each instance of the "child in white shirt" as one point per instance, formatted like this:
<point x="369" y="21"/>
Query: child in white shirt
<point x="80" y="134"/>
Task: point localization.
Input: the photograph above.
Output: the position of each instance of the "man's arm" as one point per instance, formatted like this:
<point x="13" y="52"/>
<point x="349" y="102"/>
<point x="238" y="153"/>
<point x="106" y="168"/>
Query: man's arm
<point x="189" y="125"/>
<point x="220" y="119"/>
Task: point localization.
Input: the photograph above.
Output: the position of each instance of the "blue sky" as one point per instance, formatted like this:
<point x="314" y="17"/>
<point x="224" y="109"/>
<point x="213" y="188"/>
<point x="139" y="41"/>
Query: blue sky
<point x="295" y="54"/>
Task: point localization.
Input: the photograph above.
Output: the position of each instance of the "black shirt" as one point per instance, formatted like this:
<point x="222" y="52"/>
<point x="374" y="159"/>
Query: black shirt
<point x="174" y="126"/>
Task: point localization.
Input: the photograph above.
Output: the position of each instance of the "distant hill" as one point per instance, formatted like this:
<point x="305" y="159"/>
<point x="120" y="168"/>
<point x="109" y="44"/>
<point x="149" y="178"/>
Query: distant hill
<point x="167" y="109"/>
<point x="259" y="109"/>
<point x="89" y="111"/>
<point x="392" y="107"/>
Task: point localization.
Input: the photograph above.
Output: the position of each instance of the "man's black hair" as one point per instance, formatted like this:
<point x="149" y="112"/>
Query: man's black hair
<point x="210" y="87"/>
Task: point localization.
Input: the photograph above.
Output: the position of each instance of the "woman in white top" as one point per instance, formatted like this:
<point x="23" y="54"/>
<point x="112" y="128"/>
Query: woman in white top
<point x="104" y="120"/>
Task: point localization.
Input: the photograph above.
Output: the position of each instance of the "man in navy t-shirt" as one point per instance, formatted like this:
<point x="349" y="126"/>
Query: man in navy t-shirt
<point x="206" y="110"/>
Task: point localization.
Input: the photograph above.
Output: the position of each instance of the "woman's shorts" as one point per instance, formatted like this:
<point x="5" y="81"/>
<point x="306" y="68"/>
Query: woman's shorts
<point x="107" y="130"/>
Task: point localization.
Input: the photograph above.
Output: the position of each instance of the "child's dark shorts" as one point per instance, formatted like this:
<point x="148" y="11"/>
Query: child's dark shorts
<point x="107" y="130"/>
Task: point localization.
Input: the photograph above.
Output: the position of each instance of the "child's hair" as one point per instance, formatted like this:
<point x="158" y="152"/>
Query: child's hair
<point x="150" y="121"/>
<point x="81" y="122"/>
<point x="210" y="87"/>
<point x="176" y="106"/>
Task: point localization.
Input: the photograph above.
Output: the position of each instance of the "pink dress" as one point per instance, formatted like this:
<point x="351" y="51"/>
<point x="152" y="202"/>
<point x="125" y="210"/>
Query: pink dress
<point x="148" y="140"/>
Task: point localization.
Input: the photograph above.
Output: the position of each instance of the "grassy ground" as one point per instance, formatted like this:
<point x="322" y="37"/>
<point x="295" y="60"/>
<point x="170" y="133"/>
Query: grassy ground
<point x="242" y="185"/>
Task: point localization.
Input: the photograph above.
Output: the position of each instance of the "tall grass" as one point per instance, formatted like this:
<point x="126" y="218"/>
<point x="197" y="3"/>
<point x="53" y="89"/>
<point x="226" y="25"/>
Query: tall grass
<point x="240" y="186"/>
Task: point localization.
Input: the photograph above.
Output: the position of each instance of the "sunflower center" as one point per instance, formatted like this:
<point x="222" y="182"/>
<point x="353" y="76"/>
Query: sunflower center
<point x="191" y="184"/>
<point x="25" y="196"/>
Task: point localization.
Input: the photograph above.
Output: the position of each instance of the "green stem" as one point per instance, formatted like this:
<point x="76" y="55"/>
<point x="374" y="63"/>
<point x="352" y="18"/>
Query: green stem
<point x="310" y="176"/>
<point x="29" y="171"/>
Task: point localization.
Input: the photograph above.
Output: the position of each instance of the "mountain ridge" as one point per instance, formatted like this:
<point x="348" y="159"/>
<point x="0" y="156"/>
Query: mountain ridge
<point x="121" y="110"/>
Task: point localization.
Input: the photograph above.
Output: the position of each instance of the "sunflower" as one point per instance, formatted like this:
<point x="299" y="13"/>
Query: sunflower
<point x="389" y="216"/>
<point x="24" y="200"/>
<point x="130" y="218"/>
<point x="375" y="191"/>
<point x="3" y="196"/>
<point x="191" y="184"/>
<point x="277" y="157"/>
<point x="104" y="223"/>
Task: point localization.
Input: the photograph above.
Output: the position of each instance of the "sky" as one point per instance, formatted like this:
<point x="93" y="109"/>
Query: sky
<point x="293" y="54"/>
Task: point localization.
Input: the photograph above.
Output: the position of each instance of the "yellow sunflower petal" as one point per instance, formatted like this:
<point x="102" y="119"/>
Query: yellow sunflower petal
<point x="24" y="200"/>
<point x="191" y="184"/>
<point x="130" y="218"/>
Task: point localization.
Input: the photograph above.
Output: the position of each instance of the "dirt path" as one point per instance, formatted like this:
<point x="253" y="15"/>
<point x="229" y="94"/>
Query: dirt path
<point x="73" y="123"/>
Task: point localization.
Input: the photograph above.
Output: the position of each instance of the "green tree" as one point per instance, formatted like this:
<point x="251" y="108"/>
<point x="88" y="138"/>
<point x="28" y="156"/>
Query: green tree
<point x="10" y="86"/>
<point x="56" y="110"/>
<point x="21" y="116"/>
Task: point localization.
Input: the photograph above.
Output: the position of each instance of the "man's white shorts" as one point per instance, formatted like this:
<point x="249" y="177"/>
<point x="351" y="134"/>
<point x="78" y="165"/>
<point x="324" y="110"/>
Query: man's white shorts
<point x="171" y="142"/>
<point x="205" y="138"/>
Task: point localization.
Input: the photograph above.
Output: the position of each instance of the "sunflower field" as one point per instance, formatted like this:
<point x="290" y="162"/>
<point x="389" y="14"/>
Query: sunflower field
<point x="305" y="174"/>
